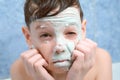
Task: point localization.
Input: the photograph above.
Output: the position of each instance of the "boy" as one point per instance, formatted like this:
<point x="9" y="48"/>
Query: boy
<point x="59" y="50"/>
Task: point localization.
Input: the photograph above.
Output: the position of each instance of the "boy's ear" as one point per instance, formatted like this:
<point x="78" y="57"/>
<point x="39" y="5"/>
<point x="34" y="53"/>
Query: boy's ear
<point x="26" y="33"/>
<point x="84" y="22"/>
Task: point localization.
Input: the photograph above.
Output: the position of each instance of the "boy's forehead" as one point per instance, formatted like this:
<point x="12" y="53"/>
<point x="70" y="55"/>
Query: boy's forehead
<point x="69" y="15"/>
<point x="69" y="12"/>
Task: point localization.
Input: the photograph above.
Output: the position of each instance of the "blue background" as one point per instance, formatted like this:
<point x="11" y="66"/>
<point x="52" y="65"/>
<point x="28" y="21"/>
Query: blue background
<point x="103" y="26"/>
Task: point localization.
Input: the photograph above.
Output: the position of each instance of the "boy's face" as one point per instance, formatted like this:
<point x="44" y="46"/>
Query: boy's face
<point x="55" y="37"/>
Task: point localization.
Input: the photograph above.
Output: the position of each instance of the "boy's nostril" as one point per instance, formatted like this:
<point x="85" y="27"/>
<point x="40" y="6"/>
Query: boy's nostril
<point x="59" y="49"/>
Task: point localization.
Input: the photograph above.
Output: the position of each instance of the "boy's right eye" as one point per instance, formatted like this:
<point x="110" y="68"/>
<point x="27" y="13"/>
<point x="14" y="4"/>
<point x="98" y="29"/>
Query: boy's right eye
<point x="45" y="36"/>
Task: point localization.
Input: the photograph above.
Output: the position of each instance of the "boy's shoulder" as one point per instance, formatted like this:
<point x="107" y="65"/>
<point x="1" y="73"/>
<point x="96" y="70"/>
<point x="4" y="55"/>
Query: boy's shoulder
<point x="103" y="65"/>
<point x="102" y="61"/>
<point x="102" y="56"/>
<point x="18" y="72"/>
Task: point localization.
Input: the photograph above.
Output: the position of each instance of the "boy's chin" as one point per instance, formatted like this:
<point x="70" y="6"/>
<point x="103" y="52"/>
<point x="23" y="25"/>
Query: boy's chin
<point x="63" y="66"/>
<point x="60" y="67"/>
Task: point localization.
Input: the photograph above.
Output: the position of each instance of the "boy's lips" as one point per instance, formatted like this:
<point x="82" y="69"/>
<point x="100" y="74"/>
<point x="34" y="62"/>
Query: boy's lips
<point x="57" y="61"/>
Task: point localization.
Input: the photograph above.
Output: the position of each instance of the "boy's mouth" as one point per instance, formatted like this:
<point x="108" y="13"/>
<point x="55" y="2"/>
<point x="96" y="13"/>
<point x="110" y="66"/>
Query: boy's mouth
<point x="60" y="61"/>
<point x="63" y="64"/>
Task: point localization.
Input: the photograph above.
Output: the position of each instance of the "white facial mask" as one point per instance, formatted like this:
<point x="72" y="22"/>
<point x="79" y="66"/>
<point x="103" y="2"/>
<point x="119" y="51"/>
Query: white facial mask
<point x="68" y="17"/>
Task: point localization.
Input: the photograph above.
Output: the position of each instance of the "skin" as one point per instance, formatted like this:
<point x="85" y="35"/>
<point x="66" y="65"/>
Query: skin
<point x="36" y="64"/>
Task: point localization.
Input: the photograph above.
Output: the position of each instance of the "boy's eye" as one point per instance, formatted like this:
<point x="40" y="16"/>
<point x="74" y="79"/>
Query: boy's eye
<point x="45" y="36"/>
<point x="71" y="35"/>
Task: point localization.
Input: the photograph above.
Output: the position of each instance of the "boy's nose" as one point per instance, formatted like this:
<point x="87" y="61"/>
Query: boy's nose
<point x="60" y="43"/>
<point x="59" y="49"/>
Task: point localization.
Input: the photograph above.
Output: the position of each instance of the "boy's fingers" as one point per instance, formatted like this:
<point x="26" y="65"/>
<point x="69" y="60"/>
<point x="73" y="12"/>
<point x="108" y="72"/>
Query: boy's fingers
<point x="43" y="72"/>
<point x="78" y="58"/>
<point x="87" y="47"/>
<point x="85" y="50"/>
<point x="40" y="62"/>
<point x="29" y="53"/>
<point x="34" y="59"/>
<point x="29" y="58"/>
<point x="39" y="68"/>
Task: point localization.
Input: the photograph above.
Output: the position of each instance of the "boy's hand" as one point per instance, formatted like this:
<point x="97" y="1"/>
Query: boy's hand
<point x="35" y="65"/>
<point x="84" y="56"/>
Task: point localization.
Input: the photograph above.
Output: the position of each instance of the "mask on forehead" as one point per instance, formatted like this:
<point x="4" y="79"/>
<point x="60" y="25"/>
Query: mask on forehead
<point x="69" y="17"/>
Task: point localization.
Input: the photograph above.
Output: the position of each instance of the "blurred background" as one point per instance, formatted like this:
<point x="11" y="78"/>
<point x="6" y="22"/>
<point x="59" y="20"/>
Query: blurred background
<point x="103" y="26"/>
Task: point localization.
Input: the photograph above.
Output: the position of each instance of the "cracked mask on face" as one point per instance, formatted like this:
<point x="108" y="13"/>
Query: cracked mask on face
<point x="63" y="50"/>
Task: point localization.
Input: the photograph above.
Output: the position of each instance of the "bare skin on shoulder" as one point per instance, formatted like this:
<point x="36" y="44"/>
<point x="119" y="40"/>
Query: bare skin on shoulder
<point x="58" y="47"/>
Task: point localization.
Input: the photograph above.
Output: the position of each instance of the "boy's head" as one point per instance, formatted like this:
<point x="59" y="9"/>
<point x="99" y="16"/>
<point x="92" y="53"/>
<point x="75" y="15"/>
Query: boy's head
<point x="36" y="9"/>
<point x="54" y="28"/>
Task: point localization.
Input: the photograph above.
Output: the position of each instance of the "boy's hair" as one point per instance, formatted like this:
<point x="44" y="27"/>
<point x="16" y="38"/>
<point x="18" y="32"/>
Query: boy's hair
<point x="35" y="9"/>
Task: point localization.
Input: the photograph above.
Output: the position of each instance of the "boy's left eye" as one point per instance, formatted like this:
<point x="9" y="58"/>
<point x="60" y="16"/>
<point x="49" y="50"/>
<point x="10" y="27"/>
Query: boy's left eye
<point x="71" y="35"/>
